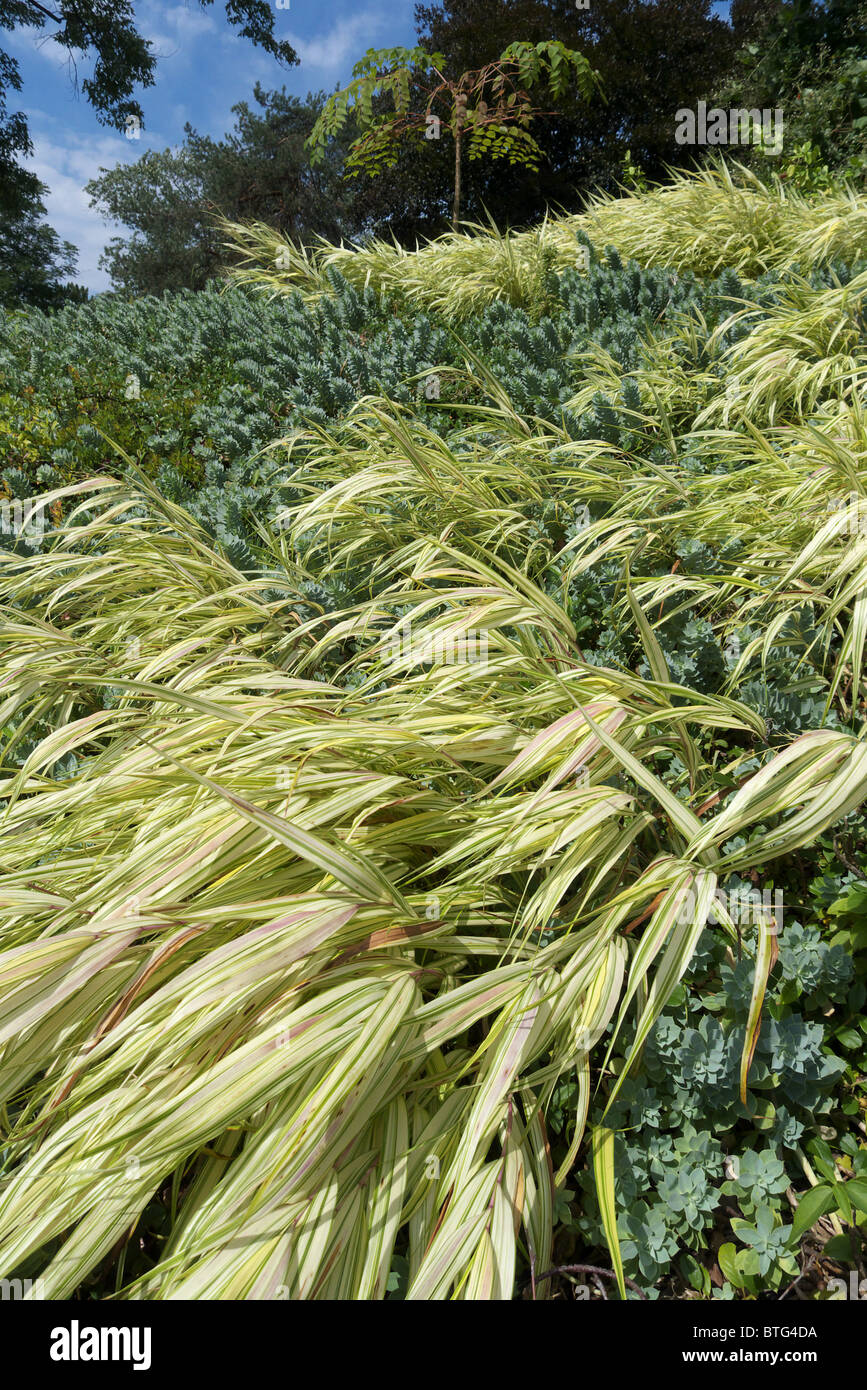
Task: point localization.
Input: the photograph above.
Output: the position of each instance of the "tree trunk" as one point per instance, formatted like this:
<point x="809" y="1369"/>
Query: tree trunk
<point x="459" y="136"/>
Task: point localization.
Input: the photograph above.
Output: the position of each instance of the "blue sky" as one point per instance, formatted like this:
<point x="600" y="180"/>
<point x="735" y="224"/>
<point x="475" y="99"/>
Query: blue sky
<point x="203" y="69"/>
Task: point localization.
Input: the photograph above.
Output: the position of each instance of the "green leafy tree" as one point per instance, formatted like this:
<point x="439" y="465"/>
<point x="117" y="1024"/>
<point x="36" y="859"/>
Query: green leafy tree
<point x="161" y="200"/>
<point x="260" y="171"/>
<point x="34" y="261"/>
<point x="458" y="104"/>
<point x="810" y="60"/>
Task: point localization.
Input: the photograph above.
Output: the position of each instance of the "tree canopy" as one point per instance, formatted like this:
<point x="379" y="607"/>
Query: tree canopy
<point x="426" y="101"/>
<point x="259" y="171"/>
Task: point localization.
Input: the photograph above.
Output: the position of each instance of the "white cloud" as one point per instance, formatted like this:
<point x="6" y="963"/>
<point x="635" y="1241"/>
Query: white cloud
<point x="164" y="46"/>
<point x="344" y="44"/>
<point x="190" y="21"/>
<point x="26" y="40"/>
<point x="65" y="168"/>
<point x="174" y="30"/>
<point x="182" y="21"/>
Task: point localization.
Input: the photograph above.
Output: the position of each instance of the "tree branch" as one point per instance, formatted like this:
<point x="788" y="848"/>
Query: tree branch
<point x="58" y="18"/>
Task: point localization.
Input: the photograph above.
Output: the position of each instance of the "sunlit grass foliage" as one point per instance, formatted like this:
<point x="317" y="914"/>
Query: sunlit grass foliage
<point x="724" y="217"/>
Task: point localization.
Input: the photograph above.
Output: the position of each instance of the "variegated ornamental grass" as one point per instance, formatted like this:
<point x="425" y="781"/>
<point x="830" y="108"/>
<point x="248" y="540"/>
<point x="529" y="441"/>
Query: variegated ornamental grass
<point x="721" y="217"/>
<point x="391" y="498"/>
<point x="311" y="945"/>
<point x="299" y="929"/>
<point x="795" y="502"/>
<point x="804" y="352"/>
